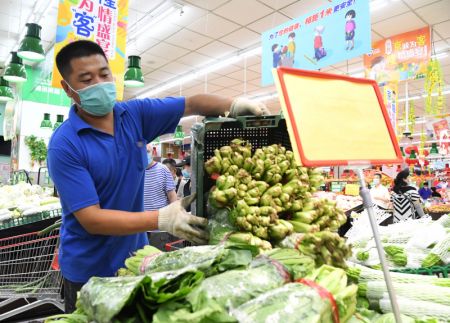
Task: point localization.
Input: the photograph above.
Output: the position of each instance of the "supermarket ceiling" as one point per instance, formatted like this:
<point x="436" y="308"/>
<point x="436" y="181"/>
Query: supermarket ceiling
<point x="205" y="32"/>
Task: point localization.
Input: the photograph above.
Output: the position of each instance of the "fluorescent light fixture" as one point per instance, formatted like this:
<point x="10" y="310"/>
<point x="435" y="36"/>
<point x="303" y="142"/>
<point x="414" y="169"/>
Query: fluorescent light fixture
<point x="418" y="121"/>
<point x="201" y="72"/>
<point x="377" y="4"/>
<point x="439" y="55"/>
<point x="157" y="17"/>
<point x="411" y="98"/>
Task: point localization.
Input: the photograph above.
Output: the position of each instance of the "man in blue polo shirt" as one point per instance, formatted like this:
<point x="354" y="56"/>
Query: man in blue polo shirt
<point x="97" y="160"/>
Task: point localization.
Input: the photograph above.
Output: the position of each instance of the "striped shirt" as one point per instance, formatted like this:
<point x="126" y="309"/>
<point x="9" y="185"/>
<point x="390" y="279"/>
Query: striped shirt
<point x="158" y="182"/>
<point x="403" y="204"/>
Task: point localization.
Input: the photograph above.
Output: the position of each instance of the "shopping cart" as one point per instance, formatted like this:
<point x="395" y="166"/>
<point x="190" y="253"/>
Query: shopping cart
<point x="29" y="270"/>
<point x="175" y="245"/>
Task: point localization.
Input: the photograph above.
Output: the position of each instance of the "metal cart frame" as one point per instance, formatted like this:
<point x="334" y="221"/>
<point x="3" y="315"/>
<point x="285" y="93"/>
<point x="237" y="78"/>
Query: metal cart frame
<point x="29" y="270"/>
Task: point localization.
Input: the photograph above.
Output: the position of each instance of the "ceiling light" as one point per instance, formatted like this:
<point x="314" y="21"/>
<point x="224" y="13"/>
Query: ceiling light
<point x="264" y="97"/>
<point x="31" y="47"/>
<point x="6" y="93"/>
<point x="434" y="150"/>
<point x="59" y="121"/>
<point x="203" y="71"/>
<point x="46" y="123"/>
<point x="15" y="71"/>
<point x="156" y="16"/>
<point x="133" y="76"/>
<point x="377" y="4"/>
<point x="439" y="55"/>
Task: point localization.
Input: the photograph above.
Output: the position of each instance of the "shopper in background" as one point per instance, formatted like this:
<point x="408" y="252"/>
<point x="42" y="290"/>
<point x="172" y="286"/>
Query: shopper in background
<point x="435" y="193"/>
<point x="380" y="194"/>
<point x="405" y="198"/>
<point x="159" y="188"/>
<point x="97" y="160"/>
<point x="425" y="192"/>
<point x="185" y="190"/>
<point x="180" y="182"/>
<point x="170" y="164"/>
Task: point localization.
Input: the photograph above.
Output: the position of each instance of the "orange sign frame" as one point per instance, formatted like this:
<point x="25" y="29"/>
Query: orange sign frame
<point x="393" y="150"/>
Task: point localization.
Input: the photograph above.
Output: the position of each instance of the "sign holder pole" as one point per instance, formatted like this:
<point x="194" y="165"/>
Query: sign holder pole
<point x="368" y="205"/>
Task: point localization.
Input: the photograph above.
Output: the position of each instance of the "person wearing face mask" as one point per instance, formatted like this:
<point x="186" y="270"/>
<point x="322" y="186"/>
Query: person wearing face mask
<point x="380" y="194"/>
<point x="159" y="188"/>
<point x="405" y="198"/>
<point x="178" y="180"/>
<point x="97" y="160"/>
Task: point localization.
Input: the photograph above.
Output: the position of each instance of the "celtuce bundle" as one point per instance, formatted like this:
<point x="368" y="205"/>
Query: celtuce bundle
<point x="324" y="247"/>
<point x="269" y="196"/>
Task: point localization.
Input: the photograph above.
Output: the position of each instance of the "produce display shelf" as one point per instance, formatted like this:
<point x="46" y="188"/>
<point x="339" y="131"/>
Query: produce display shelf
<point x="23" y="220"/>
<point x="439" y="271"/>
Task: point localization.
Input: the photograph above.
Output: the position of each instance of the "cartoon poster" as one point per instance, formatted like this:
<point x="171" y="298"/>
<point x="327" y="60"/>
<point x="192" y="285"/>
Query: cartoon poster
<point x="102" y="21"/>
<point x="328" y="35"/>
<point x="400" y="57"/>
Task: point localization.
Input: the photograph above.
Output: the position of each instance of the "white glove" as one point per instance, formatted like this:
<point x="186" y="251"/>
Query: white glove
<point x="243" y="107"/>
<point x="174" y="219"/>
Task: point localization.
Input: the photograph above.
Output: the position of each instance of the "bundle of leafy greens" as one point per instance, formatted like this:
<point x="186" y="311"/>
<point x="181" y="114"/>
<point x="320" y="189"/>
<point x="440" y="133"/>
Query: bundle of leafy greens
<point x="212" y="300"/>
<point x="208" y="259"/>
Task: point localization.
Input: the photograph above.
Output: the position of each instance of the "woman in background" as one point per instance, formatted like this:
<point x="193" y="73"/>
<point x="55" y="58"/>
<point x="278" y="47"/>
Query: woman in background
<point x="405" y="198"/>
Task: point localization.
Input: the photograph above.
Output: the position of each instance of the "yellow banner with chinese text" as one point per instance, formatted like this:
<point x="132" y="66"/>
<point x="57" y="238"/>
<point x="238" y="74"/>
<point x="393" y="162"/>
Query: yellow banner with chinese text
<point x="102" y="21"/>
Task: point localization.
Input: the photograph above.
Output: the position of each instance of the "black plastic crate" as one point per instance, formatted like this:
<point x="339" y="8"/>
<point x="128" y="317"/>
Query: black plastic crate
<point x="214" y="133"/>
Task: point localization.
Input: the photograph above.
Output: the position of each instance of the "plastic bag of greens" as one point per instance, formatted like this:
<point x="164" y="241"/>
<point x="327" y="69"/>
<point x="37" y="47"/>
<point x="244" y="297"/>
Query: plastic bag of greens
<point x="208" y="259"/>
<point x="134" y="297"/>
<point x="291" y="303"/>
<point x="219" y="225"/>
<point x="216" y="295"/>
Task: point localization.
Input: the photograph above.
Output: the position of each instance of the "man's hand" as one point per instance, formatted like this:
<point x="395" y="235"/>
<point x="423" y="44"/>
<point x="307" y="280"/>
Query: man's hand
<point x="174" y="219"/>
<point x="243" y="107"/>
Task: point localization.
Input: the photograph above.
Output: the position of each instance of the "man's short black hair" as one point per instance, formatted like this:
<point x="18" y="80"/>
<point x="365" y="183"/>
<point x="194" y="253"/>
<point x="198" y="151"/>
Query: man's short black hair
<point x="76" y="49"/>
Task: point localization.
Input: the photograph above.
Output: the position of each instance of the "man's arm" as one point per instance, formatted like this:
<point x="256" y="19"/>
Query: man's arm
<point x="114" y="222"/>
<point x="210" y="105"/>
<point x="172" y="196"/>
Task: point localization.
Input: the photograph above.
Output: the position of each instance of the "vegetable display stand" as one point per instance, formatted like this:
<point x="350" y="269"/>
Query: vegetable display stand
<point x="214" y="133"/>
<point x="29" y="270"/>
<point x="439" y="271"/>
<point x="28" y="219"/>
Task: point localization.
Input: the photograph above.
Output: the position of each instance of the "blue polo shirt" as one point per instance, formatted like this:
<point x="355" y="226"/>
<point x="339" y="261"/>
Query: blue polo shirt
<point x="91" y="167"/>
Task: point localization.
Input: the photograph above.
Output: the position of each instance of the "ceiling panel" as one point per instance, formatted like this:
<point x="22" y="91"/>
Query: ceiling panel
<point x="167" y="50"/>
<point x="403" y="23"/>
<point x="152" y="62"/>
<point x="159" y="75"/>
<point x="395" y="8"/>
<point x="242" y="38"/>
<point x="188" y="39"/>
<point x="175" y="68"/>
<point x="436" y="12"/>
<point x="213" y="26"/>
<point x="195" y="59"/>
<point x="418" y="3"/>
<point x="268" y="22"/>
<point x="190" y="14"/>
<point x="443" y="29"/>
<point x="299" y="8"/>
<point x="243" y="12"/>
<point x="248" y="75"/>
<point x="277" y="4"/>
<point x="207" y="4"/>
<point x="224" y="81"/>
<point x="227" y="92"/>
<point x="216" y="49"/>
